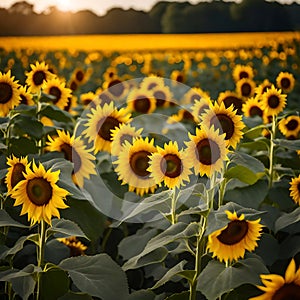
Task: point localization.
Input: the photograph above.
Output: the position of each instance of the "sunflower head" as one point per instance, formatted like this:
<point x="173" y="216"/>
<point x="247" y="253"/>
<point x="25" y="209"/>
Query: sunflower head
<point x="231" y="98"/>
<point x="242" y="71"/>
<point x="116" y="87"/>
<point x="295" y="189"/>
<point x="26" y="96"/>
<point x="141" y="101"/>
<point x="285" y="81"/>
<point x="290" y="126"/>
<point x="178" y="76"/>
<point x="194" y="95"/>
<point x="273" y="101"/>
<point x="245" y="88"/>
<point x="252" y="107"/>
<point x="39" y="194"/>
<point x="262" y="88"/>
<point x="76" y="247"/>
<point x="238" y="236"/>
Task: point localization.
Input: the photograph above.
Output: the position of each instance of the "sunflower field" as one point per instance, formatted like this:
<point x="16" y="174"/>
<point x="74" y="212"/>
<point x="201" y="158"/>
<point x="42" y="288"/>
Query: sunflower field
<point x="150" y="174"/>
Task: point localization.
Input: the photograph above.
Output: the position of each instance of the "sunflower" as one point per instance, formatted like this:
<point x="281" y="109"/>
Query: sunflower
<point x="116" y="87"/>
<point x="15" y="171"/>
<point x="295" y="189"/>
<point x="277" y="287"/>
<point x="200" y="106"/>
<point x="252" y="107"/>
<point x="162" y="95"/>
<point x="56" y="88"/>
<point x="123" y="133"/>
<point x="230" y="242"/>
<point x="241" y="71"/>
<point x="141" y="101"/>
<point x="170" y="165"/>
<point x="76" y="247"/>
<point x="110" y="73"/>
<point x="231" y="98"/>
<point x="183" y="115"/>
<point x="289" y="126"/>
<point x="39" y="194"/>
<point x="194" y="94"/>
<point x="87" y="98"/>
<point x="75" y="151"/>
<point x="26" y="96"/>
<point x="100" y="122"/>
<point x="207" y="151"/>
<point x="9" y="93"/>
<point x="132" y="166"/>
<point x="178" y="76"/>
<point x="80" y="76"/>
<point x="104" y="97"/>
<point x="37" y="76"/>
<point x="285" y="81"/>
<point x="245" y="87"/>
<point x="273" y="101"/>
<point x="152" y="82"/>
<point x="227" y="121"/>
<point x="262" y="88"/>
<point x="72" y="104"/>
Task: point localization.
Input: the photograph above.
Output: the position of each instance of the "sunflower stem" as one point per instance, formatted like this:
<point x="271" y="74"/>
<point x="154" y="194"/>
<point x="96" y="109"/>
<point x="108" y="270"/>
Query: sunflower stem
<point x="222" y="192"/>
<point x="173" y="206"/>
<point x="40" y="258"/>
<point x="271" y="154"/>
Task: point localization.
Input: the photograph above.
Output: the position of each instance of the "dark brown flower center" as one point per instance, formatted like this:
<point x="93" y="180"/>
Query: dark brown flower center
<point x="273" y="101"/>
<point x="116" y="87"/>
<point x="179" y="78"/>
<point x="246" y="89"/>
<point x="17" y="174"/>
<point x="237" y="103"/>
<point x="160" y="98"/>
<point x="224" y="123"/>
<point x="207" y="152"/>
<point x="234" y="232"/>
<point x="105" y="126"/>
<point x="289" y="291"/>
<point x="72" y="156"/>
<point x="56" y="92"/>
<point x="285" y="83"/>
<point x="24" y="100"/>
<point x="171" y="165"/>
<point x="255" y="111"/>
<point x="87" y="101"/>
<point x="243" y="74"/>
<point x="152" y="85"/>
<point x="39" y="191"/>
<point x="292" y="124"/>
<point x="38" y="77"/>
<point x="6" y="92"/>
<point x="79" y="76"/>
<point x="139" y="163"/>
<point x="265" y="88"/>
<point x="298" y="187"/>
<point x="142" y="104"/>
<point x="73" y="85"/>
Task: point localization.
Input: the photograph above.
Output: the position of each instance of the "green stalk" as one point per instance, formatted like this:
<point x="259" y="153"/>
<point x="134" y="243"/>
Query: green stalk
<point x="173" y="206"/>
<point x="271" y="153"/>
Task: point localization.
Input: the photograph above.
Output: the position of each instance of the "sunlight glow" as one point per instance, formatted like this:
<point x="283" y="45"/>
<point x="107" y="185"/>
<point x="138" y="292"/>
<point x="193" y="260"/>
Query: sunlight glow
<point x="64" y="5"/>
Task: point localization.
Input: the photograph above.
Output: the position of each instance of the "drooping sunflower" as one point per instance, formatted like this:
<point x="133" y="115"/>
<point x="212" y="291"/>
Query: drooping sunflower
<point x="194" y="94"/>
<point x="74" y="151"/>
<point x="252" y="107"/>
<point x="242" y="71"/>
<point x="238" y="236"/>
<point x="76" y="247"/>
<point x="290" y="126"/>
<point x="227" y="121"/>
<point x="57" y="88"/>
<point x="277" y="287"/>
<point x="37" y="76"/>
<point x="39" y="194"/>
<point x="231" y="98"/>
<point x="170" y="165"/>
<point x="200" y="106"/>
<point x="26" y="96"/>
<point x="273" y="101"/>
<point x="15" y="171"/>
<point x="285" y="81"/>
<point x="100" y="122"/>
<point x="245" y="87"/>
<point x="262" y="88"/>
<point x="9" y="93"/>
<point x="295" y="189"/>
<point x="141" y="101"/>
<point x="207" y="151"/>
<point x="125" y="132"/>
<point x="132" y="165"/>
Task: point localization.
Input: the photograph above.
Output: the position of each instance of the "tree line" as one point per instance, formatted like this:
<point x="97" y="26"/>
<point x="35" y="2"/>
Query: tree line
<point x="164" y="17"/>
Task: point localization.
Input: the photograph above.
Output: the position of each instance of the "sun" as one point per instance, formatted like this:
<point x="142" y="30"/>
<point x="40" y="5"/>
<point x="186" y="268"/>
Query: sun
<point x="64" y="5"/>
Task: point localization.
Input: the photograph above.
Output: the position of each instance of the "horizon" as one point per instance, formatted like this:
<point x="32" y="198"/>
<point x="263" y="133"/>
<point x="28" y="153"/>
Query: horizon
<point x="104" y="6"/>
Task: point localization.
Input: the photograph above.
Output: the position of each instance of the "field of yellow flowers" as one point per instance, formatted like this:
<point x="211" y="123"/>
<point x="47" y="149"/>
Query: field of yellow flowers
<point x="151" y="168"/>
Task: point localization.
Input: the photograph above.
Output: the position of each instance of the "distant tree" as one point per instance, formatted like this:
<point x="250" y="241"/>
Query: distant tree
<point x="22" y="7"/>
<point x="156" y="13"/>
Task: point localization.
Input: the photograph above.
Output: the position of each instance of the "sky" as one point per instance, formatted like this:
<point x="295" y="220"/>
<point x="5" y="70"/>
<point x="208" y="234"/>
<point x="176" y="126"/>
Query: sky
<point x="101" y="6"/>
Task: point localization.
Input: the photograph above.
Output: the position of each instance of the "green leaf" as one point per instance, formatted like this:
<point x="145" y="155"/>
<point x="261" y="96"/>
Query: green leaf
<point x="177" y="270"/>
<point x="75" y="296"/>
<point x="268" y="249"/>
<point x="174" y="233"/>
<point x="179" y="296"/>
<point x="287" y="144"/>
<point x="22" y="146"/>
<point x="287" y="219"/>
<point x="217" y="279"/>
<point x="249" y="196"/>
<point x="258" y="145"/>
<point x="6" y="220"/>
<point x="97" y="276"/>
<point x="243" y="174"/>
<point x="254" y="132"/>
<point x="54" y="113"/>
<point x="142" y="294"/>
<point x="57" y="278"/>
<point x="24" y="124"/>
